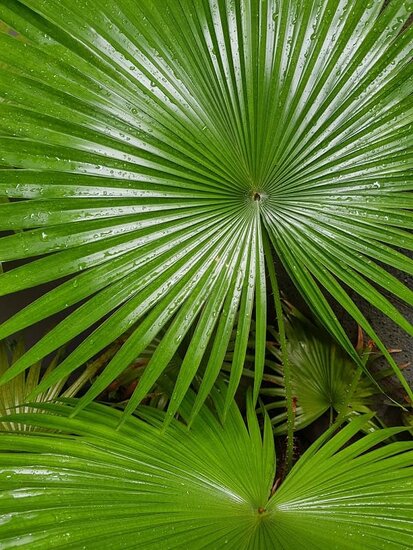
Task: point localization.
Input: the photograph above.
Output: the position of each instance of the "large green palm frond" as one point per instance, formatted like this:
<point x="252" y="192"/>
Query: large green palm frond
<point x="93" y="486"/>
<point x="152" y="150"/>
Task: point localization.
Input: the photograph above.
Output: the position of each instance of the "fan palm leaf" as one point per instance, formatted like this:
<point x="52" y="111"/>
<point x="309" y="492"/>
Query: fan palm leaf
<point x="149" y="149"/>
<point x="93" y="486"/>
<point x="322" y="377"/>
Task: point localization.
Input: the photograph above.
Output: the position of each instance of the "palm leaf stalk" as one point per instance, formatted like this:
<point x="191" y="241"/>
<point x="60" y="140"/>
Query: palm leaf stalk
<point x="408" y="420"/>
<point x="147" y="149"/>
<point x="285" y="358"/>
<point x="93" y="485"/>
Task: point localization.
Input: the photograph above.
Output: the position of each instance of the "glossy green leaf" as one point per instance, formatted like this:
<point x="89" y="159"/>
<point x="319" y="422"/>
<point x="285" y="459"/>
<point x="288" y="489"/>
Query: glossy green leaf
<point x="94" y="486"/>
<point x="148" y="148"/>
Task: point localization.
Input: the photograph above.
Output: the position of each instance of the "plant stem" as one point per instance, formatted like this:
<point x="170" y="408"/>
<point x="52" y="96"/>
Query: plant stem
<point x="344" y="409"/>
<point x="284" y="354"/>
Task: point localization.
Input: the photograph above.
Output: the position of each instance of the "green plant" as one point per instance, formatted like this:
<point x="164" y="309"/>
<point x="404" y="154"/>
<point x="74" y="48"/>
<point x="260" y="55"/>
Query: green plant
<point x="14" y="394"/>
<point x="159" y="159"/>
<point x="324" y="378"/>
<point x="154" y="154"/>
<point x="408" y="419"/>
<point x="210" y="487"/>
<point x="119" y="391"/>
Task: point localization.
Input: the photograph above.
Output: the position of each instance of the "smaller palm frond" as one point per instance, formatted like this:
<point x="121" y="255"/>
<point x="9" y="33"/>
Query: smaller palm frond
<point x="324" y="377"/>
